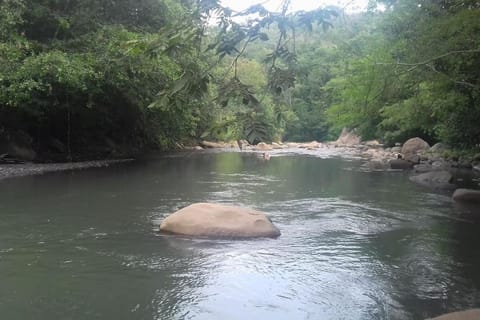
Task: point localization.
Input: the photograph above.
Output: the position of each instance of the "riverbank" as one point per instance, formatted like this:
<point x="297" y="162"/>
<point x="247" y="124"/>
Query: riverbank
<point x="29" y="169"/>
<point x="424" y="164"/>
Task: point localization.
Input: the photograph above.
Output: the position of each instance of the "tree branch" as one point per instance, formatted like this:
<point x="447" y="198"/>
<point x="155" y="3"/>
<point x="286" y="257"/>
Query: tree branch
<point x="422" y="63"/>
<point x="427" y="63"/>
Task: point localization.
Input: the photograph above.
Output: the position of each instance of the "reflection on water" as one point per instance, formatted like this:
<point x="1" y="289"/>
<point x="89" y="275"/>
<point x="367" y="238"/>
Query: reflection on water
<point x="354" y="244"/>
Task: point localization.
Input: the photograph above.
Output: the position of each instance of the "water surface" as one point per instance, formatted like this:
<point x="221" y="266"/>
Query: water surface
<point x="354" y="244"/>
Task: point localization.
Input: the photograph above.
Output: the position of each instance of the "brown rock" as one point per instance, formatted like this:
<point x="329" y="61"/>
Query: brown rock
<point x="263" y="147"/>
<point x="310" y="145"/>
<point x="219" y="221"/>
<point x="373" y="144"/>
<point x="466" y="195"/>
<point x="210" y="144"/>
<point x="276" y="145"/>
<point x="473" y="314"/>
<point x="414" y="145"/>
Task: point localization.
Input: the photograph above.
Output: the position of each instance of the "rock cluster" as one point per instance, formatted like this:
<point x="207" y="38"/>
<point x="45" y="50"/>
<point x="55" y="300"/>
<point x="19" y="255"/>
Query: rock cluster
<point x="427" y="164"/>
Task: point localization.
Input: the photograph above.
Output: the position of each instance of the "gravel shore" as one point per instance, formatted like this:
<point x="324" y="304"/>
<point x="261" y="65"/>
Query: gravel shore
<point x="28" y="169"/>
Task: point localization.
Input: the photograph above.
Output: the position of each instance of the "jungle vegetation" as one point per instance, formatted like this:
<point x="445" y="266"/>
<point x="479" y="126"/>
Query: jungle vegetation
<point x="84" y="79"/>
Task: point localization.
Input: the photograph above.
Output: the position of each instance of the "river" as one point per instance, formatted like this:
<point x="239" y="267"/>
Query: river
<point x="355" y="244"/>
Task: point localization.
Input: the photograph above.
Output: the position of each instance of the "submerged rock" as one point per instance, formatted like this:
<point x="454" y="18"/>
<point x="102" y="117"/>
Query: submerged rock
<point x="466" y="195"/>
<point x="219" y="221"/>
<point x="473" y="314"/>
<point x="439" y="179"/>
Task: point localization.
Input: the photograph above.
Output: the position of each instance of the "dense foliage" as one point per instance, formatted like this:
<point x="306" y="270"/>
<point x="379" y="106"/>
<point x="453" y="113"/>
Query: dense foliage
<point x="416" y="72"/>
<point x="77" y="77"/>
<point x="84" y="78"/>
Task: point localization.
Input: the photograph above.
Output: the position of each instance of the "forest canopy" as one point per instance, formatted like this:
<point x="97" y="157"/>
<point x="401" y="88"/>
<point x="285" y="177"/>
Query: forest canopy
<point x="94" y="78"/>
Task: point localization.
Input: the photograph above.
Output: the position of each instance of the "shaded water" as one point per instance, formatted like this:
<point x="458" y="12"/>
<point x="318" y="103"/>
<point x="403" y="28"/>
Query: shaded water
<point x="354" y="244"/>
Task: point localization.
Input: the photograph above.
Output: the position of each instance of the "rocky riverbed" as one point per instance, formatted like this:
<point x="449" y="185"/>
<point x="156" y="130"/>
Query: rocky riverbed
<point x="426" y="165"/>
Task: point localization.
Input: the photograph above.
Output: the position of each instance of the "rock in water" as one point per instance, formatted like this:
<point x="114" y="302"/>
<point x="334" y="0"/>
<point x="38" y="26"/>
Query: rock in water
<point x="434" y="179"/>
<point x="413" y="158"/>
<point x="400" y="164"/>
<point x="219" y="221"/>
<point x="210" y="144"/>
<point x="473" y="314"/>
<point x="263" y="146"/>
<point x="466" y="195"/>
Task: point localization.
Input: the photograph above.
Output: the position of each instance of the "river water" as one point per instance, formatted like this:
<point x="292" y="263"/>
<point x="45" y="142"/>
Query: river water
<point x="355" y="244"/>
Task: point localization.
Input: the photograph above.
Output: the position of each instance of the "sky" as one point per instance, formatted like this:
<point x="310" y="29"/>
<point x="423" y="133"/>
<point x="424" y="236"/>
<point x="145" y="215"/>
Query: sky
<point x="296" y="5"/>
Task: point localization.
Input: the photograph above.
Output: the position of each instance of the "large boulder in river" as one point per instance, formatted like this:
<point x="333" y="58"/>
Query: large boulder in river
<point x="415" y="145"/>
<point x="466" y="195"/>
<point x="219" y="221"/>
<point x="473" y="314"/>
<point x="440" y="179"/>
